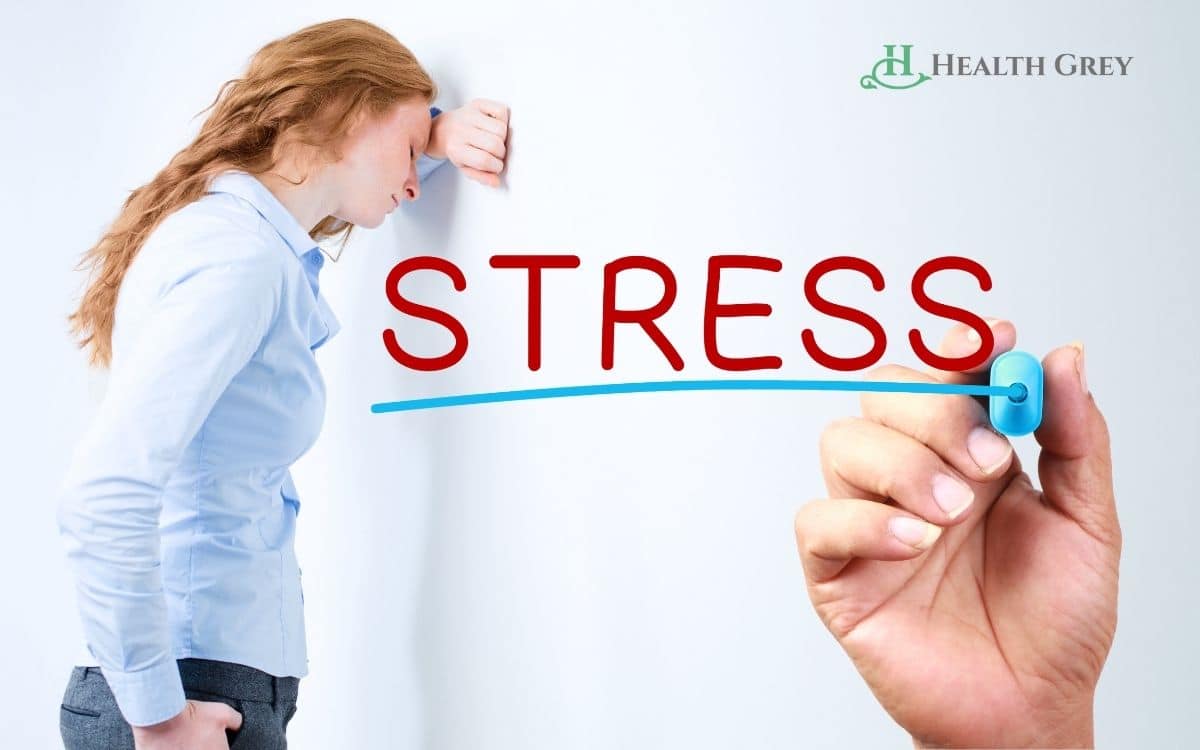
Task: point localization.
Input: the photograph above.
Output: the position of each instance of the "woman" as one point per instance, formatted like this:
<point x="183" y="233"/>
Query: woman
<point x="178" y="509"/>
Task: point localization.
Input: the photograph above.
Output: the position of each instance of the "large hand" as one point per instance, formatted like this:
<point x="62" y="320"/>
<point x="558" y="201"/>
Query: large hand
<point x="988" y="625"/>
<point x="472" y="138"/>
<point x="200" y="725"/>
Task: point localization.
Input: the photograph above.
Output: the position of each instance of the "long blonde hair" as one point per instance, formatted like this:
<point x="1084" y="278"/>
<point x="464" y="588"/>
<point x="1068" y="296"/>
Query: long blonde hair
<point x="314" y="85"/>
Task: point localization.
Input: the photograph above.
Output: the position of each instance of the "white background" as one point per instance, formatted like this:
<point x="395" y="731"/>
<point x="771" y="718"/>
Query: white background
<point x="620" y="571"/>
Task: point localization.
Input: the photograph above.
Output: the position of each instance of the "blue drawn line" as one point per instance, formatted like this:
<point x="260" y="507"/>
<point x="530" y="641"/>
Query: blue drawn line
<point x="1016" y="391"/>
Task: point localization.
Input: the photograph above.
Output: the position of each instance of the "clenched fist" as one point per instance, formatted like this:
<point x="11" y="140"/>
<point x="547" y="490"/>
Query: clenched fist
<point x="473" y="139"/>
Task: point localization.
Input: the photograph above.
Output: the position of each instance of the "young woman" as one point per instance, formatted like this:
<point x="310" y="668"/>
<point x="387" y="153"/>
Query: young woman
<point x="178" y="509"/>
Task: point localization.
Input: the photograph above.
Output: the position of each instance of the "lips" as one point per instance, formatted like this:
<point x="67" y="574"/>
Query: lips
<point x="395" y="200"/>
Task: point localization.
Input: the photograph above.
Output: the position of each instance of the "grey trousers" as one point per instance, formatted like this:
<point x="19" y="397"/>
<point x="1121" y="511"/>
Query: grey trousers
<point x="90" y="720"/>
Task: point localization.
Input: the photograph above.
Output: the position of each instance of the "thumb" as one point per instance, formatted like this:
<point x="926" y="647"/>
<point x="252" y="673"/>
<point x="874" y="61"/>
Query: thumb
<point x="232" y="717"/>
<point x="1075" y="466"/>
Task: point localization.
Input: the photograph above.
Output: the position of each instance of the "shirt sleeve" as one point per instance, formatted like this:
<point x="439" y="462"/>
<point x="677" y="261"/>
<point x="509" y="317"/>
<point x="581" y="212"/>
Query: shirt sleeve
<point x="209" y="317"/>
<point x="426" y="165"/>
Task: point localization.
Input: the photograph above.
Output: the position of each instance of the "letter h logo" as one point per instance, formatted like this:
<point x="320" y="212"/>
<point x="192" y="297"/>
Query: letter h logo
<point x="890" y="62"/>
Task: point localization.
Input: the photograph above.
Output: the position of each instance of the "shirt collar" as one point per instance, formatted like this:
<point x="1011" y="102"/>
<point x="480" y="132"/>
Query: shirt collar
<point x="247" y="186"/>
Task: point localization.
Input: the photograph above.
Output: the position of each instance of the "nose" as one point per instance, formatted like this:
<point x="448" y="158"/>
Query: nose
<point x="412" y="186"/>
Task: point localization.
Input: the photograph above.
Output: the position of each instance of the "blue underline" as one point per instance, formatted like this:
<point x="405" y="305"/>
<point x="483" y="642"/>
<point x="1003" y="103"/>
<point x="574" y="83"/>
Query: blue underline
<point x="1015" y="391"/>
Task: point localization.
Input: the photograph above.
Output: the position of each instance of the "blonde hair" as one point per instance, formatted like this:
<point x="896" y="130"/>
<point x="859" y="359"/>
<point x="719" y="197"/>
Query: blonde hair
<point x="313" y="85"/>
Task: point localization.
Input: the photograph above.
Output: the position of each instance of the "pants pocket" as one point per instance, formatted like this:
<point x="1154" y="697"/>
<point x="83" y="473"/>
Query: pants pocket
<point x="80" y="711"/>
<point x="287" y="717"/>
<point x="261" y="729"/>
<point x="88" y="717"/>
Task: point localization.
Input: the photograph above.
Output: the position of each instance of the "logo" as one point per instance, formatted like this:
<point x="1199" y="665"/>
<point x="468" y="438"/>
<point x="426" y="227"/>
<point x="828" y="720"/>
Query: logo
<point x="897" y="71"/>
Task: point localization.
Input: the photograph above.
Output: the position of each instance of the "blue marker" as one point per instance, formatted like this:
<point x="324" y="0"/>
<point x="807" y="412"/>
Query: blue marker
<point x="1018" y="414"/>
<point x="1014" y="394"/>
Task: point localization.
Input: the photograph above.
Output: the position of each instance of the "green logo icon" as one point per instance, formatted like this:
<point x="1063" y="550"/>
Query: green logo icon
<point x="890" y="78"/>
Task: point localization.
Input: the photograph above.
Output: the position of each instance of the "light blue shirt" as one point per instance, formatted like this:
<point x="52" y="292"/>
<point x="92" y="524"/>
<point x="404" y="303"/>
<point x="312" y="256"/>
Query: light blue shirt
<point x="178" y="509"/>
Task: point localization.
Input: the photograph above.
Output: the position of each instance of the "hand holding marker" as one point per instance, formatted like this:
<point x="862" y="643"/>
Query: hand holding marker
<point x="978" y="609"/>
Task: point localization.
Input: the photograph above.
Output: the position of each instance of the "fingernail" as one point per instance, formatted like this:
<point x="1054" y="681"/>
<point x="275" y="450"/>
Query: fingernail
<point x="951" y="495"/>
<point x="988" y="450"/>
<point x="1079" y="367"/>
<point x="973" y="335"/>
<point x="913" y="532"/>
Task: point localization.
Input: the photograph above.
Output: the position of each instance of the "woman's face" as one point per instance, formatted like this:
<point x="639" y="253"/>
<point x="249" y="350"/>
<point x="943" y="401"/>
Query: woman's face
<point x="378" y="169"/>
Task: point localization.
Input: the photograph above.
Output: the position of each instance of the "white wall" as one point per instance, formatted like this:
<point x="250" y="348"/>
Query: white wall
<point x="620" y="571"/>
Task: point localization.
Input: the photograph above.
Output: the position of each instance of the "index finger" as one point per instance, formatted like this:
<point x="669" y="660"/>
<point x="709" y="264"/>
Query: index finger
<point x="962" y="341"/>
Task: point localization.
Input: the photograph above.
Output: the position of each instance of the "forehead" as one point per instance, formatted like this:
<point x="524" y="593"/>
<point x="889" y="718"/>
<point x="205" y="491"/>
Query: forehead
<point x="410" y="116"/>
<point x="402" y="125"/>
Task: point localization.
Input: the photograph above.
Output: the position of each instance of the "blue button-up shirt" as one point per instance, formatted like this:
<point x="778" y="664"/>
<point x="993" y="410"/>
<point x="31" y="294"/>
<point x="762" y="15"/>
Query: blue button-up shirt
<point x="178" y="510"/>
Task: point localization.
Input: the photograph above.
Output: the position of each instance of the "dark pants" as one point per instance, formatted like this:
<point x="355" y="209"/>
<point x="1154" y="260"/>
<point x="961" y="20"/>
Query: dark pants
<point x="90" y="720"/>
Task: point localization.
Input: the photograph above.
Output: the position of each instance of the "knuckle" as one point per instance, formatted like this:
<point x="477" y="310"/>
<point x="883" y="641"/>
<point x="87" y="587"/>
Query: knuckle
<point x="966" y="414"/>
<point x="926" y="430"/>
<point x="898" y="476"/>
<point x="833" y="431"/>
<point x="802" y="527"/>
<point x="872" y="403"/>
<point x="941" y="419"/>
<point x="799" y="524"/>
<point x="892" y="484"/>
<point x="890" y="372"/>
<point x="939" y="411"/>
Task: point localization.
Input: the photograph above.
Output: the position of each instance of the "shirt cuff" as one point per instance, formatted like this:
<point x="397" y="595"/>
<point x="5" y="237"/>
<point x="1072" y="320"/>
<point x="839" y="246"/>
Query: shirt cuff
<point x="426" y="164"/>
<point x="147" y="696"/>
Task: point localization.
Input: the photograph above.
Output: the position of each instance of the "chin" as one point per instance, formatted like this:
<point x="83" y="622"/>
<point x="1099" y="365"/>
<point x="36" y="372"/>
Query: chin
<point x="369" y="221"/>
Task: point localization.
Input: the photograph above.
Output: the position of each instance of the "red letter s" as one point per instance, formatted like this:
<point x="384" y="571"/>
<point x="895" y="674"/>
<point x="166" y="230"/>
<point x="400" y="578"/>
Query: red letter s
<point x="849" y="263"/>
<point x="432" y="314"/>
<point x="957" y="314"/>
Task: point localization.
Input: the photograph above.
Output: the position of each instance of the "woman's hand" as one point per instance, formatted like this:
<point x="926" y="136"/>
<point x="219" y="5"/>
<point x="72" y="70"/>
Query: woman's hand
<point x="983" y="625"/>
<point x="472" y="137"/>
<point x="200" y="725"/>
